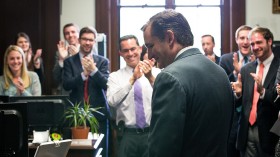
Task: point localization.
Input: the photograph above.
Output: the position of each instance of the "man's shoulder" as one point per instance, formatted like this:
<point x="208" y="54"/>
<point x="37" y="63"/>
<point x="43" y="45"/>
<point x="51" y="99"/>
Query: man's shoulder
<point x="99" y="58"/>
<point x="227" y="55"/>
<point x="70" y="58"/>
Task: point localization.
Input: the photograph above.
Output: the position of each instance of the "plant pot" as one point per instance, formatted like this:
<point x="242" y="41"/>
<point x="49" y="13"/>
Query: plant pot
<point x="80" y="132"/>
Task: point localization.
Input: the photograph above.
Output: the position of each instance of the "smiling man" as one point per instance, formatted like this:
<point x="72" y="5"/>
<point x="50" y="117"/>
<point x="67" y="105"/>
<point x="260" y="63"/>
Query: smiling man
<point x="232" y="63"/>
<point x="187" y="120"/>
<point x="86" y="75"/>
<point x="133" y="109"/>
<point x="71" y="36"/>
<point x="255" y="91"/>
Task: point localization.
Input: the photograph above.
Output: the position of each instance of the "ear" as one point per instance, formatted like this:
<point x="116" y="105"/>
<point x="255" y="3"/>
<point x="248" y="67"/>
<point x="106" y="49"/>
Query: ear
<point x="169" y="36"/>
<point x="140" y="49"/>
<point x="269" y="41"/>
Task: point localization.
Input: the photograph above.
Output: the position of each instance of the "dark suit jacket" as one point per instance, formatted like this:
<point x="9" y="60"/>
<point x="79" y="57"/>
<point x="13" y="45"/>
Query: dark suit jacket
<point x="192" y="109"/>
<point x="72" y="80"/>
<point x="266" y="110"/>
<point x="226" y="62"/>
<point x="217" y="59"/>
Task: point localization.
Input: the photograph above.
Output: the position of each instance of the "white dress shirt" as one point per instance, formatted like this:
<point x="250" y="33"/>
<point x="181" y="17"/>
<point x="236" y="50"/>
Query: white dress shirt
<point x="120" y="95"/>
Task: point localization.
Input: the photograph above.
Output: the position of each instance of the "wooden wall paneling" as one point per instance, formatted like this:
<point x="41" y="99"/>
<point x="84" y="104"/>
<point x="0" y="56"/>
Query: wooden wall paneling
<point x="107" y="22"/>
<point x="40" y="20"/>
<point x="233" y="16"/>
<point x="50" y="26"/>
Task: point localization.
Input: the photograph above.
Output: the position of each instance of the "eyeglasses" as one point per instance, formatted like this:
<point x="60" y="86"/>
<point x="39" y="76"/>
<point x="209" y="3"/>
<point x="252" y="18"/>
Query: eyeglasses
<point x="86" y="39"/>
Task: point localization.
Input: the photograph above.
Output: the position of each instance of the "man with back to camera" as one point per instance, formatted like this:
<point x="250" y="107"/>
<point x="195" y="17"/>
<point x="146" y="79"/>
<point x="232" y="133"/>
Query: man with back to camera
<point x="71" y="35"/>
<point x="121" y="94"/>
<point x="86" y="75"/>
<point x="208" y="44"/>
<point x="187" y="120"/>
<point x="255" y="91"/>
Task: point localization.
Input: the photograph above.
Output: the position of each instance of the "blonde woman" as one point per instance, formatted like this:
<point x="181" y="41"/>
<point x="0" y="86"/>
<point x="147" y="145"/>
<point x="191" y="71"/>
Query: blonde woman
<point x="16" y="79"/>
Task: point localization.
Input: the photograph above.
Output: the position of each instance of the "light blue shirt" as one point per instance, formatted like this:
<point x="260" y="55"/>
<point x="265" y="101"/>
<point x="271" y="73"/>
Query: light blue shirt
<point x="34" y="88"/>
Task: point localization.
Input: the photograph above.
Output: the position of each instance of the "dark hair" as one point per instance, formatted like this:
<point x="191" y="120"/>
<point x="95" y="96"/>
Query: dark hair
<point x="263" y="31"/>
<point x="24" y="35"/>
<point x="88" y="29"/>
<point x="126" y="37"/>
<point x="69" y="25"/>
<point x="208" y="35"/>
<point x="171" y="20"/>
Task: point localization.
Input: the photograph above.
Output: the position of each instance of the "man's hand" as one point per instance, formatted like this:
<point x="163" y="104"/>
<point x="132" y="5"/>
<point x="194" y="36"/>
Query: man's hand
<point x="258" y="81"/>
<point x="237" y="86"/>
<point x="146" y="66"/>
<point x="72" y="49"/>
<point x="88" y="64"/>
<point x="237" y="65"/>
<point x="137" y="73"/>
<point x="62" y="50"/>
<point x="278" y="88"/>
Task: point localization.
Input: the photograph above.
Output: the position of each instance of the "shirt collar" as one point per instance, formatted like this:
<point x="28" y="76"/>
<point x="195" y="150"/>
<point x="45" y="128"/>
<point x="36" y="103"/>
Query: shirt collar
<point x="267" y="61"/>
<point x="183" y="50"/>
<point x="82" y="55"/>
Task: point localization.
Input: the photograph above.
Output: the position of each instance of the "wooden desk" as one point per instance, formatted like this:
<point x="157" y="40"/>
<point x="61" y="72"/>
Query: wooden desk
<point x="78" y="148"/>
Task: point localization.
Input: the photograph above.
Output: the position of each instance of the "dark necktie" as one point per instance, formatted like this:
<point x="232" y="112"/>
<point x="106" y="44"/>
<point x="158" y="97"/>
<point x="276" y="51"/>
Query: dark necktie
<point x="245" y="60"/>
<point x="139" y="109"/>
<point x="253" y="113"/>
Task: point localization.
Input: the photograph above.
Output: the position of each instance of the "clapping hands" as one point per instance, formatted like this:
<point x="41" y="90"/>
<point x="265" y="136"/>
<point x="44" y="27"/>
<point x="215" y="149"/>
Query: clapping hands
<point x="18" y="82"/>
<point x="237" y="86"/>
<point x="64" y="50"/>
<point x="88" y="64"/>
<point x="36" y="59"/>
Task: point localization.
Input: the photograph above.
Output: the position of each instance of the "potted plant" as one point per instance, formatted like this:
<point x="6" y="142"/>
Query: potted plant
<point x="79" y="117"/>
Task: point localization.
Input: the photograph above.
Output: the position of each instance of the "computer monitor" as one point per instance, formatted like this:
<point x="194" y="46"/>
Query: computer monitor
<point x="44" y="112"/>
<point x="4" y="99"/>
<point x="13" y="132"/>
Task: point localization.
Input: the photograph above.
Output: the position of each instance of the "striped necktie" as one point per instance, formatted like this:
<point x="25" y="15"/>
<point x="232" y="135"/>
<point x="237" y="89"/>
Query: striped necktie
<point x="139" y="108"/>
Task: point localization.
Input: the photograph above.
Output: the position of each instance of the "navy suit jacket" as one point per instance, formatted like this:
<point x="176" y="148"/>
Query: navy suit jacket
<point x="217" y="59"/>
<point x="97" y="85"/>
<point x="226" y="62"/>
<point x="192" y="109"/>
<point x="267" y="111"/>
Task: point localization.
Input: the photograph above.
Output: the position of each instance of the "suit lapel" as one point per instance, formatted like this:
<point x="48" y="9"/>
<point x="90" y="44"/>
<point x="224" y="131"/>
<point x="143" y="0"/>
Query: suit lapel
<point x="77" y="63"/>
<point x="271" y="72"/>
<point x="251" y="82"/>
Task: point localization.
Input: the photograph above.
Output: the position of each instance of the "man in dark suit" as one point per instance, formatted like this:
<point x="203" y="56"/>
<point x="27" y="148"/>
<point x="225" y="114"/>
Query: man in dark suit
<point x="71" y="36"/>
<point x="208" y="44"/>
<point x="232" y="63"/>
<point x="191" y="107"/>
<point x="255" y="91"/>
<point x="86" y="75"/>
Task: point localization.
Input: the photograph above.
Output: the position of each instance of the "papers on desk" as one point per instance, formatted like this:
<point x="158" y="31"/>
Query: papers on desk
<point x="86" y="143"/>
<point x="53" y="149"/>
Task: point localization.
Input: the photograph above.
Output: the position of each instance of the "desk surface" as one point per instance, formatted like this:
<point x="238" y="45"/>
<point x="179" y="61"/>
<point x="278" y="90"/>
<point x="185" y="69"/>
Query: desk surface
<point x="75" y="144"/>
<point x="78" y="148"/>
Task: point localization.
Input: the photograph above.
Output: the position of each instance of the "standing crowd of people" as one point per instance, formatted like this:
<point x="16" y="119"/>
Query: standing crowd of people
<point x="170" y="99"/>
